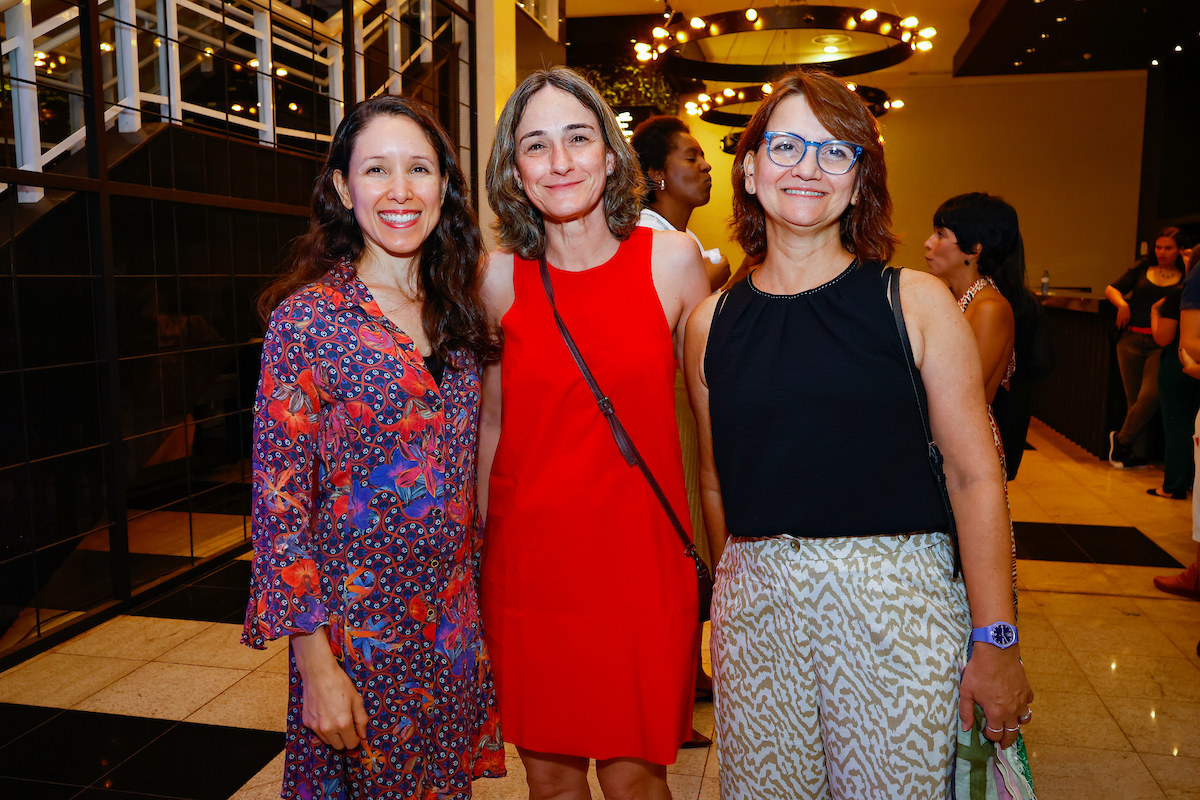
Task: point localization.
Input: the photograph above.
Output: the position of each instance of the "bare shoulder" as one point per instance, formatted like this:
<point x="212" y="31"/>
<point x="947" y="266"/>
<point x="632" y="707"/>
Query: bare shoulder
<point x="991" y="307"/>
<point x="674" y="251"/>
<point x="497" y="287"/>
<point x="925" y="295"/>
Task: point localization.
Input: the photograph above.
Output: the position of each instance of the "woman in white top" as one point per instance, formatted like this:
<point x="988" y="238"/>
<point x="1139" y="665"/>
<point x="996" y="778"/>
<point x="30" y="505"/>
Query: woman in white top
<point x="678" y="180"/>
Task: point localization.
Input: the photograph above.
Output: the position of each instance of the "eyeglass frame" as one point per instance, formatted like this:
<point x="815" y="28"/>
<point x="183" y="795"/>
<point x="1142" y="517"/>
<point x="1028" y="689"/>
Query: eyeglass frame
<point x="769" y="135"/>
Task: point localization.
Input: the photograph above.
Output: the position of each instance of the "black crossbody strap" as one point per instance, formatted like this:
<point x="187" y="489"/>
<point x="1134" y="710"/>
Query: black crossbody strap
<point x="936" y="460"/>
<point x="624" y="443"/>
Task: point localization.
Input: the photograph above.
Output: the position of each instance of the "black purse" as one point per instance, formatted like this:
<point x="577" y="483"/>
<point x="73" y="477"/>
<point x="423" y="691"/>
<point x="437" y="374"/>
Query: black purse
<point x="891" y="277"/>
<point x="629" y="452"/>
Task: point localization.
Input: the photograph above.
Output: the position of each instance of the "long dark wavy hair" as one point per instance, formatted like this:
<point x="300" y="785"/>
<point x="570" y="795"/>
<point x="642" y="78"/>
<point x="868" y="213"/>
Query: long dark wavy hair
<point x="449" y="269"/>
<point x="865" y="226"/>
<point x="1181" y="241"/>
<point x="979" y="219"/>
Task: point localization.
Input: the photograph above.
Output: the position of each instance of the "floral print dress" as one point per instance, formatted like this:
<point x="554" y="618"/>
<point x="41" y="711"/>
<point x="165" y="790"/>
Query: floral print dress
<point x="365" y="521"/>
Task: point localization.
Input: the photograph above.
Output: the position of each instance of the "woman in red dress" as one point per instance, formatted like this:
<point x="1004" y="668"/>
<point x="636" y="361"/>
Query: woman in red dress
<point x="589" y="603"/>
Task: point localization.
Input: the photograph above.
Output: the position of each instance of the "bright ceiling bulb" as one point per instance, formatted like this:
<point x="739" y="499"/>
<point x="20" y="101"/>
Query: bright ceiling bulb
<point x="681" y="36"/>
<point x="728" y="92"/>
<point x="897" y="104"/>
<point x="643" y="55"/>
<point x="693" y="110"/>
<point x="925" y="45"/>
<point x="252" y="63"/>
<point x="641" y="47"/>
<point x="852" y="86"/>
<point x="293" y="107"/>
<point x="697" y="23"/>
<point x="909" y="22"/>
<point x="1178" y="48"/>
<point x="660" y="33"/>
<point x="766" y="87"/>
<point x="281" y="72"/>
<point x="704" y="98"/>
<point x="106" y="47"/>
<point x="662" y="48"/>
<point x="928" y="33"/>
<point x="831" y="49"/>
<point x="235" y="107"/>
<point x="751" y="14"/>
<point x="906" y="36"/>
<point x="869" y="15"/>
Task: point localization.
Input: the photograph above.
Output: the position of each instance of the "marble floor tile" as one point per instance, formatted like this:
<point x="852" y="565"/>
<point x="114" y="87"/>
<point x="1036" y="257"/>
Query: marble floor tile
<point x="259" y="700"/>
<point x="1088" y="604"/>
<point x="1178" y="777"/>
<point x="220" y="646"/>
<point x="1054" y="670"/>
<point x="684" y="787"/>
<point x="710" y="789"/>
<point x="1132" y="675"/>
<point x="1166" y="608"/>
<point x="690" y="762"/>
<point x="61" y="680"/>
<point x="1092" y="634"/>
<point x="1074" y="720"/>
<point x="1078" y="773"/>
<point x="131" y="637"/>
<point x="1165" y="727"/>
<point x="1062" y="576"/>
<point x="1136" y="581"/>
<point x="162" y="691"/>
<point x="1185" y="636"/>
<point x="265" y="785"/>
<point x="1036" y="631"/>
<point x="279" y="662"/>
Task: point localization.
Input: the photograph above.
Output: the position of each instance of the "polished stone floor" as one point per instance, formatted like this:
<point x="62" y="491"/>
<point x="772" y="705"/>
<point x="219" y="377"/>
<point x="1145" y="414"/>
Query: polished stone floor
<point x="165" y="703"/>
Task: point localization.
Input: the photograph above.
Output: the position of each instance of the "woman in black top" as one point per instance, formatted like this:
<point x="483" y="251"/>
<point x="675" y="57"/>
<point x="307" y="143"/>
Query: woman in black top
<point x="1145" y="284"/>
<point x="1179" y="396"/>
<point x="838" y="618"/>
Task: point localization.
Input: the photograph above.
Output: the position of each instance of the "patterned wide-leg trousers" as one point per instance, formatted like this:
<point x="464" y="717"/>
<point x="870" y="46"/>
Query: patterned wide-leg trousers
<point x="834" y="665"/>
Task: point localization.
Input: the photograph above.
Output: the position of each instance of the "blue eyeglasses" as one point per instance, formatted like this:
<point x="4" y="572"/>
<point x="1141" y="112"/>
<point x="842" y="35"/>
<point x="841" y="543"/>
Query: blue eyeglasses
<point x="788" y="150"/>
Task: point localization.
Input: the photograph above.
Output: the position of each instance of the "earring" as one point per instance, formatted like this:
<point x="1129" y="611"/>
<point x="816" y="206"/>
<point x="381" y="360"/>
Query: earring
<point x="967" y="262"/>
<point x="520" y="185"/>
<point x="662" y="184"/>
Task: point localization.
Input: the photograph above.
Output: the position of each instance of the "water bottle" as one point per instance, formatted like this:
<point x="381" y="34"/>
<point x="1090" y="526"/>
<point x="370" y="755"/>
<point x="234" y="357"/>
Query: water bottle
<point x="1045" y="283"/>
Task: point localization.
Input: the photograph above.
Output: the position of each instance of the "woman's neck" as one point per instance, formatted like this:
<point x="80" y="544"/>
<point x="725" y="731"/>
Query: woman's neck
<point x="796" y="264"/>
<point x="671" y="210"/>
<point x="388" y="271"/>
<point x="962" y="279"/>
<point x="579" y="244"/>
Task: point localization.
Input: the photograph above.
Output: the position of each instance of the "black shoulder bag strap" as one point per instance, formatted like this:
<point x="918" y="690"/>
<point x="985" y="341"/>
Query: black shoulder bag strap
<point x="892" y="279"/>
<point x="624" y="443"/>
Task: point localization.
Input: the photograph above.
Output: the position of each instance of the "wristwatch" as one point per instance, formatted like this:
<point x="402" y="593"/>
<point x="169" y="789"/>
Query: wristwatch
<point x="1000" y="634"/>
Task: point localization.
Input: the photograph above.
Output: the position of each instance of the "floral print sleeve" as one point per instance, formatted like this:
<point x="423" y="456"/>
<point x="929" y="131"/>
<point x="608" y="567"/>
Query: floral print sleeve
<point x="287" y="596"/>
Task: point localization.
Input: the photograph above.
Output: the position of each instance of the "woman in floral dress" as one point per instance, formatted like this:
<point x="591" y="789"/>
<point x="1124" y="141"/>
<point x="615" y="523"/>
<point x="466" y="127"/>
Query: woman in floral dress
<point x="365" y="524"/>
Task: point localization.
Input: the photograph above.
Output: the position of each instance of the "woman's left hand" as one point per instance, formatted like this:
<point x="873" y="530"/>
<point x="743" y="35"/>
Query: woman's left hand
<point x="995" y="679"/>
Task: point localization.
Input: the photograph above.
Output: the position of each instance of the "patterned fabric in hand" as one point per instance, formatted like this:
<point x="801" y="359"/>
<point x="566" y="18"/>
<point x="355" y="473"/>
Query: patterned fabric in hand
<point x="365" y="520"/>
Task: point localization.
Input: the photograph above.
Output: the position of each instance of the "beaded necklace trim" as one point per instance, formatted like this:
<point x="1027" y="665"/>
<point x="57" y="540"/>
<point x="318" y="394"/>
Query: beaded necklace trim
<point x="827" y="284"/>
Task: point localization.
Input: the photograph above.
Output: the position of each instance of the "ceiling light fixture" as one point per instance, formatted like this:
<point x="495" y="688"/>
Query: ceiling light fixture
<point x="880" y="40"/>
<point x="876" y="99"/>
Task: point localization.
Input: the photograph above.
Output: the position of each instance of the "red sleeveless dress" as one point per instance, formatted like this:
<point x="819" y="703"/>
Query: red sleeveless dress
<point x="589" y="604"/>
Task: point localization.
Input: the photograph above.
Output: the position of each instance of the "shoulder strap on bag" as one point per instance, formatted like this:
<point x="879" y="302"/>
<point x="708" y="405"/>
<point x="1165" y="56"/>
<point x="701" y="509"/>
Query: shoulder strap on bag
<point x="891" y="276"/>
<point x="624" y="443"/>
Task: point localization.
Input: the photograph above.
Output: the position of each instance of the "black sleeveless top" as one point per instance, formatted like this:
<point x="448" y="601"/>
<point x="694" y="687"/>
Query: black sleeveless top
<point x="816" y="430"/>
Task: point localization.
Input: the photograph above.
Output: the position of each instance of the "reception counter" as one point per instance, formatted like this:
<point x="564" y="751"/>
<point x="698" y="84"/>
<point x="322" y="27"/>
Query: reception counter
<point x="1082" y="398"/>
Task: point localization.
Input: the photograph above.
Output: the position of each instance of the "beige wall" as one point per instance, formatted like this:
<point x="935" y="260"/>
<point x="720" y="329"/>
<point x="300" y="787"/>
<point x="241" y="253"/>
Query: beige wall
<point x="1064" y="150"/>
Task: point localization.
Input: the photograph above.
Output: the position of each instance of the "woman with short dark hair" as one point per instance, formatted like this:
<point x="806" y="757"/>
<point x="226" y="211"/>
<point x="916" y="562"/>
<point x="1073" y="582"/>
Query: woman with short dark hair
<point x="365" y="525"/>
<point x="838" y="616"/>
<point x="589" y="602"/>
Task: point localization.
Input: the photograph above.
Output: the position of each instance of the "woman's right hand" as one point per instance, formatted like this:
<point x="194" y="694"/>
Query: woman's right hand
<point x="1122" y="316"/>
<point x="332" y="707"/>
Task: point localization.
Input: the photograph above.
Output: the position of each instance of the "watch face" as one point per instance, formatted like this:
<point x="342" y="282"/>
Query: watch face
<point x="1003" y="634"/>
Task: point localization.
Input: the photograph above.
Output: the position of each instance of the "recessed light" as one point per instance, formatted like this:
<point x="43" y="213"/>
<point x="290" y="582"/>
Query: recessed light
<point x="1154" y="63"/>
<point x="1029" y="49"/>
<point x="1045" y="36"/>
<point x="1060" y="19"/>
<point x="1178" y="48"/>
<point x="1086" y="56"/>
<point x="1017" y="63"/>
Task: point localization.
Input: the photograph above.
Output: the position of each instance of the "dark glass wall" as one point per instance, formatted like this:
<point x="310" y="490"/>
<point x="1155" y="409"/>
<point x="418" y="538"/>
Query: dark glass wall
<point x="129" y="344"/>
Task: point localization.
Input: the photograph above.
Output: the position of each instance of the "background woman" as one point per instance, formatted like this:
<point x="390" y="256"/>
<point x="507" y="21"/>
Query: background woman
<point x="365" y="522"/>
<point x="589" y="603"/>
<point x="678" y="182"/>
<point x="1145" y="284"/>
<point x="1179" y="396"/>
<point x="837" y="625"/>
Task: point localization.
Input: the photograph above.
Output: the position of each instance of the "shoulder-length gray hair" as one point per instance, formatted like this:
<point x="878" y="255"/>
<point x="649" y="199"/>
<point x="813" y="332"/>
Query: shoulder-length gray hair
<point x="519" y="225"/>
